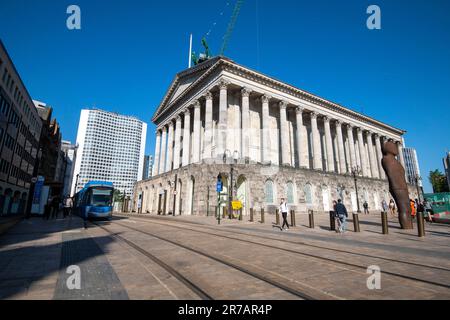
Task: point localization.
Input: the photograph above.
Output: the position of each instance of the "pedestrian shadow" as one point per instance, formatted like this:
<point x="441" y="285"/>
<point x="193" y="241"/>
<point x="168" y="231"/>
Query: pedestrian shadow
<point x="274" y="225"/>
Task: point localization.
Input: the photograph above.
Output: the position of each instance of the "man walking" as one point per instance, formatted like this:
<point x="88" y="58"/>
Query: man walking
<point x="366" y="207"/>
<point x="384" y="205"/>
<point x="67" y="206"/>
<point x="284" y="212"/>
<point x="341" y="212"/>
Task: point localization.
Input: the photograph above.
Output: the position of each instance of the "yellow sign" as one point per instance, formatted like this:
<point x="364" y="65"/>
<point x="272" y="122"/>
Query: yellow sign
<point x="237" y="205"/>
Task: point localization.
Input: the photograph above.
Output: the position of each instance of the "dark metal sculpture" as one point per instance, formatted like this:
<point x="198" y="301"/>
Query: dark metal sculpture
<point x="397" y="183"/>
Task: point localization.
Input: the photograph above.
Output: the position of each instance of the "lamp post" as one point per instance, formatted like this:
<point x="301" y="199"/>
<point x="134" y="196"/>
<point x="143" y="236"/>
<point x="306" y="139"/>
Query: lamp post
<point x="356" y="171"/>
<point x="417" y="179"/>
<point x="33" y="184"/>
<point x="231" y="191"/>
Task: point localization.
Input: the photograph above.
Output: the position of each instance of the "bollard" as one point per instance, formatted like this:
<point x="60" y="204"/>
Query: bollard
<point x="292" y="218"/>
<point x="420" y="224"/>
<point x="384" y="222"/>
<point x="311" y="219"/>
<point x="277" y="217"/>
<point x="262" y="215"/>
<point x="356" y="222"/>
<point x="332" y="221"/>
<point x="251" y="214"/>
<point x="225" y="209"/>
<point x="240" y="214"/>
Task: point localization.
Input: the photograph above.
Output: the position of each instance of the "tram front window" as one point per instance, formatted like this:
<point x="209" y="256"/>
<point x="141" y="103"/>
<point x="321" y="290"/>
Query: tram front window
<point x="101" y="197"/>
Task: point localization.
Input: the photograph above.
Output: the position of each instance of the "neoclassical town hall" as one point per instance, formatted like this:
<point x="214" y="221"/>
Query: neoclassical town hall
<point x="266" y="139"/>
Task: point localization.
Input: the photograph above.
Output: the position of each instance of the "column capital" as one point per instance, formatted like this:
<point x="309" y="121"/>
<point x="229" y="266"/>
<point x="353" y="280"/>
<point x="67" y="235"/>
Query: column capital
<point x="245" y="92"/>
<point x="313" y="115"/>
<point x="368" y="132"/>
<point x="299" y="109"/>
<point x="376" y="135"/>
<point x="359" y="130"/>
<point x="170" y="123"/>
<point x="326" y="119"/>
<point x="178" y="117"/>
<point x="338" y="123"/>
<point x="349" y="126"/>
<point x="196" y="104"/>
<point x="208" y="95"/>
<point x="283" y="104"/>
<point x="186" y="111"/>
<point x="223" y="84"/>
<point x="265" y="98"/>
<point x="158" y="132"/>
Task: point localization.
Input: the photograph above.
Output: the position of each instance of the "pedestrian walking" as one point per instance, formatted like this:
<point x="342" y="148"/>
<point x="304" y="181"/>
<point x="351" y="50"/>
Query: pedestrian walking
<point x="392" y="208"/>
<point x="366" y="207"/>
<point x="384" y="206"/>
<point x="341" y="211"/>
<point x="428" y="211"/>
<point x="284" y="212"/>
<point x="55" y="207"/>
<point x="47" y="209"/>
<point x="68" y="204"/>
<point x="336" y="217"/>
<point x="412" y="204"/>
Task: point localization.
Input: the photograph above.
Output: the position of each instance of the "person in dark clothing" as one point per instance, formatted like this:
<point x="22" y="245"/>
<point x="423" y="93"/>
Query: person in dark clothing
<point x="55" y="207"/>
<point x="341" y="212"/>
<point x="284" y="212"/>
<point x="366" y="207"/>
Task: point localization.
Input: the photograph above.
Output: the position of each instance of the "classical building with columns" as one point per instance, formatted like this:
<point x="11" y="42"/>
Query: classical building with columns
<point x="266" y="139"/>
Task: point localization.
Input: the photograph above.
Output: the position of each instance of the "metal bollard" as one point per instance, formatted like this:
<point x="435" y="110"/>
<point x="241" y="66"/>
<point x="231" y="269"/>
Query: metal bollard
<point x="262" y="215"/>
<point x="420" y="224"/>
<point x="225" y="209"/>
<point x="251" y="214"/>
<point x="356" y="222"/>
<point x="384" y="222"/>
<point x="311" y="219"/>
<point x="277" y="217"/>
<point x="332" y="221"/>
<point x="292" y="218"/>
<point x="240" y="214"/>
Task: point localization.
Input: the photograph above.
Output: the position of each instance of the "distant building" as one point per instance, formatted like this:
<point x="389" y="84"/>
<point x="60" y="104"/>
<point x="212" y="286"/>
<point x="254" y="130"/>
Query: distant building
<point x="148" y="167"/>
<point x="411" y="165"/>
<point x="20" y="130"/>
<point x="447" y="168"/>
<point x="110" y="148"/>
<point x="69" y="151"/>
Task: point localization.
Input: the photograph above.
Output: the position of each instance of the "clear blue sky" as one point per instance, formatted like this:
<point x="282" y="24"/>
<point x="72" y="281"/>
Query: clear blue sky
<point x="127" y="53"/>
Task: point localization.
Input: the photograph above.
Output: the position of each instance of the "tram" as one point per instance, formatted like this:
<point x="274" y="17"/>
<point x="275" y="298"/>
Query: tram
<point x="95" y="200"/>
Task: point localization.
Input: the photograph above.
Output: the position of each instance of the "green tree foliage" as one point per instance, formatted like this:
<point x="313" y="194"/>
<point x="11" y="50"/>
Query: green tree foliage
<point x="118" y="196"/>
<point x="438" y="181"/>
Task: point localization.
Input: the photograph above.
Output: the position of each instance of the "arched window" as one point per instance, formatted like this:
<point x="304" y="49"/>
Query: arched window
<point x="308" y="194"/>
<point x="290" y="192"/>
<point x="269" y="191"/>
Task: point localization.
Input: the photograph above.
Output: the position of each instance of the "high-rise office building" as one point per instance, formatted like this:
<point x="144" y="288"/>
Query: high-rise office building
<point x="148" y="167"/>
<point x="411" y="165"/>
<point x="69" y="151"/>
<point x="110" y="148"/>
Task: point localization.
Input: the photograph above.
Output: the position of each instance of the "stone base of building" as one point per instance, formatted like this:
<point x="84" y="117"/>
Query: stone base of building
<point x="191" y="190"/>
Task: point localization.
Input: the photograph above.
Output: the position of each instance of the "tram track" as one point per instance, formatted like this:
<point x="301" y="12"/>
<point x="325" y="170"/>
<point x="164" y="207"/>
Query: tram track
<point x="329" y="260"/>
<point x="281" y="240"/>
<point x="191" y="285"/>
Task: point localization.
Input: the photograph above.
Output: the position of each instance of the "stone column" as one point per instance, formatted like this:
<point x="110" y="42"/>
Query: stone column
<point x="372" y="156"/>
<point x="196" y="134"/>
<point x="245" y="124"/>
<point x="207" y="150"/>
<point x="341" y="148"/>
<point x="186" y="138"/>
<point x="265" y="129"/>
<point x="162" y="160"/>
<point x="169" y="148"/>
<point x="351" y="143"/>
<point x="223" y="121"/>
<point x="379" y="153"/>
<point x="329" y="145"/>
<point x="362" y="153"/>
<point x="317" y="152"/>
<point x="157" y="151"/>
<point x="302" y="153"/>
<point x="176" y="152"/>
<point x="284" y="135"/>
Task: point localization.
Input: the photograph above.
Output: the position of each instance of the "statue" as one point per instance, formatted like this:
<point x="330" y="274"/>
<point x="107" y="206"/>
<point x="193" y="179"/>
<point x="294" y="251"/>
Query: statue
<point x="397" y="183"/>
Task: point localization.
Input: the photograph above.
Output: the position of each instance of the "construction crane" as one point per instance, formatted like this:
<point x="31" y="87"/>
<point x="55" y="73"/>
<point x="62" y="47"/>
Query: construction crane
<point x="234" y="16"/>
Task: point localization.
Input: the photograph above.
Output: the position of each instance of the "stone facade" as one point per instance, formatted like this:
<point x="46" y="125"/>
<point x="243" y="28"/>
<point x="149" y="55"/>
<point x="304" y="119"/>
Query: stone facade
<point x="282" y="141"/>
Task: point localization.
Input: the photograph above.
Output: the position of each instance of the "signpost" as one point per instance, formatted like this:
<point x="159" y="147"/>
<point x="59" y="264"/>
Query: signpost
<point x="219" y="188"/>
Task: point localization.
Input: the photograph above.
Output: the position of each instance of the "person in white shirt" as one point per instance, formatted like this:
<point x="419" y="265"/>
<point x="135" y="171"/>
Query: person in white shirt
<point x="284" y="212"/>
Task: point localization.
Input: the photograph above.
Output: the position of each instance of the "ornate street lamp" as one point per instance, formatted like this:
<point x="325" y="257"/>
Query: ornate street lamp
<point x="231" y="191"/>
<point x="356" y="171"/>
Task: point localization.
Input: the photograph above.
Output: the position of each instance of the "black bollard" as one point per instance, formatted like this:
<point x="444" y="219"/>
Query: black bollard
<point x="240" y="214"/>
<point x="292" y="218"/>
<point x="277" y="217"/>
<point x="311" y="219"/>
<point x="251" y="214"/>
<point x="420" y="224"/>
<point x="356" y="222"/>
<point x="225" y="209"/>
<point x="384" y="222"/>
<point x="332" y="221"/>
<point x="262" y="215"/>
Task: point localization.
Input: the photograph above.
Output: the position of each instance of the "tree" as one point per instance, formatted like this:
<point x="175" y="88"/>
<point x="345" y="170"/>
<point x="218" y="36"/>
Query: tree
<point x="118" y="196"/>
<point x="439" y="181"/>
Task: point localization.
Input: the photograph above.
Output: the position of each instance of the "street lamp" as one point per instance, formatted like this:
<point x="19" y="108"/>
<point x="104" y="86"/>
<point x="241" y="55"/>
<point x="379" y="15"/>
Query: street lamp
<point x="356" y="171"/>
<point x="231" y="191"/>
<point x="417" y="178"/>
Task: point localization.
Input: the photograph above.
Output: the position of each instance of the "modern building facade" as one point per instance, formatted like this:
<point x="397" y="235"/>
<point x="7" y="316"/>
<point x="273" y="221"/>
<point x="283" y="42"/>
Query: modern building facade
<point x="69" y="151"/>
<point x="148" y="167"/>
<point x="265" y="139"/>
<point x="412" y="166"/>
<point x="446" y="161"/>
<point x="20" y="129"/>
<point x="110" y="148"/>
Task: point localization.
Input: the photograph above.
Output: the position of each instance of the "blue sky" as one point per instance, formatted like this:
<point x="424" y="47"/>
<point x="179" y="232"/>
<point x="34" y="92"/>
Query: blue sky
<point x="127" y="52"/>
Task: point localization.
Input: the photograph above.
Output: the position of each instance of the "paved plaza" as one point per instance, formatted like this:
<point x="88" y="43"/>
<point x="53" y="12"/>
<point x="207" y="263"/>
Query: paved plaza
<point x="192" y="257"/>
